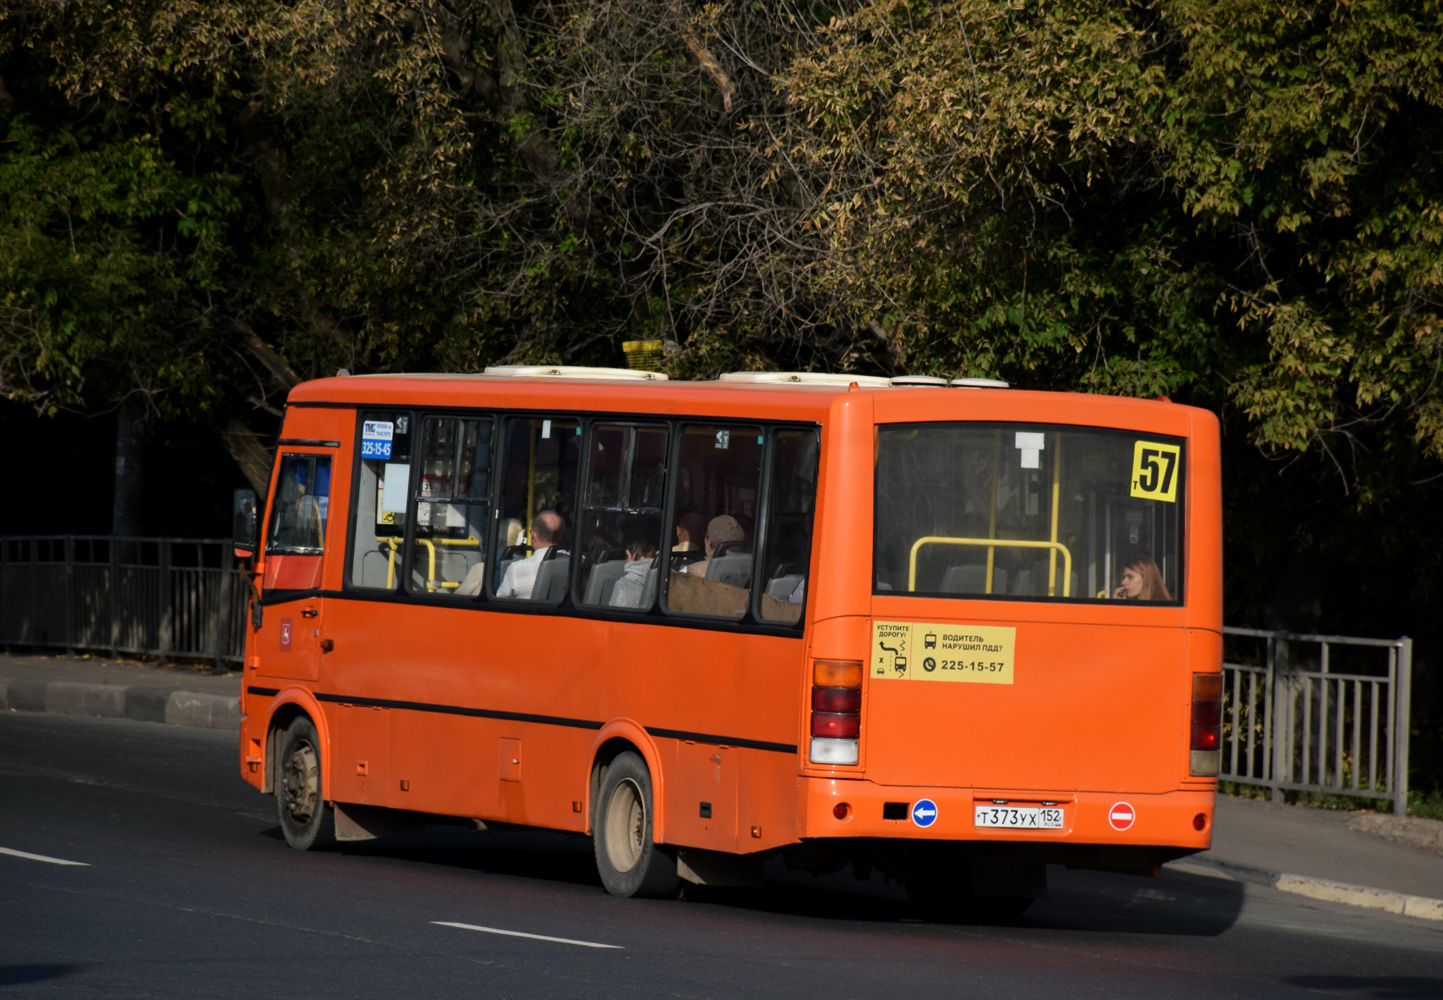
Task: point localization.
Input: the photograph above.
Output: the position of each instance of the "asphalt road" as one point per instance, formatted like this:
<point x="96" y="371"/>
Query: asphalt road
<point x="188" y="890"/>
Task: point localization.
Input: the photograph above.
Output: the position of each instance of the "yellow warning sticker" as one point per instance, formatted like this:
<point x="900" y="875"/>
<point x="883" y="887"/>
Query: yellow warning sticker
<point x="928" y="651"/>
<point x="1154" y="471"/>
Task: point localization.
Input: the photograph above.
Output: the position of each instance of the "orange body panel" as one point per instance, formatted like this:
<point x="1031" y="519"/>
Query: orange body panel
<point x="499" y="714"/>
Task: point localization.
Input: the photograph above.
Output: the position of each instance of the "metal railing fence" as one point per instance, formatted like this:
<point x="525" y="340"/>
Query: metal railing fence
<point x="160" y="596"/>
<point x="1317" y="713"/>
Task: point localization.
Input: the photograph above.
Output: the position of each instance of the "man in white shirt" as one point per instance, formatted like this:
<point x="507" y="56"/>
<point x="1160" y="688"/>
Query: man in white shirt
<point x="546" y="530"/>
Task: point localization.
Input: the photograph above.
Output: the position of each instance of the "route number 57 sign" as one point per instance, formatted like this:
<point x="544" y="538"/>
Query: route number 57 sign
<point x="1154" y="471"/>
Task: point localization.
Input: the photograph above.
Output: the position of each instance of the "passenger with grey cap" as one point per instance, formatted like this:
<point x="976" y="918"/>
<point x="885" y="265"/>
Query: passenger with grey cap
<point x="724" y="537"/>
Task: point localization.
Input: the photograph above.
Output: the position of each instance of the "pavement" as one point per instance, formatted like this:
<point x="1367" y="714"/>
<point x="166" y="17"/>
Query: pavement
<point x="1363" y="859"/>
<point x="126" y="689"/>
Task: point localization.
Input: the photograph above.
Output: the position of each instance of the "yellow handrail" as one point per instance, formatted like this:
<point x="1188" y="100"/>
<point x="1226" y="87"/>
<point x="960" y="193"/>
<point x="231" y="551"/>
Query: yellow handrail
<point x="992" y="508"/>
<point x="1016" y="543"/>
<point x="431" y="584"/>
<point x="1056" y="499"/>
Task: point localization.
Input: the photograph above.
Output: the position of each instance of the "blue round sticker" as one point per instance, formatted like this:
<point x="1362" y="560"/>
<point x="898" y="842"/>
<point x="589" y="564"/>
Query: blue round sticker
<point x="924" y="812"/>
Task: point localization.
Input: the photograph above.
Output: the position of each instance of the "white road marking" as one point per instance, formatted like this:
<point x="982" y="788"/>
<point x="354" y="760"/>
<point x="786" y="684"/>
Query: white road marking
<point x="41" y="857"/>
<point x="521" y="934"/>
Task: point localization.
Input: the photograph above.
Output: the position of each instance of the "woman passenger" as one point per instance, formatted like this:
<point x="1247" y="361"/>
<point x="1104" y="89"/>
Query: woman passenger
<point x="1141" y="581"/>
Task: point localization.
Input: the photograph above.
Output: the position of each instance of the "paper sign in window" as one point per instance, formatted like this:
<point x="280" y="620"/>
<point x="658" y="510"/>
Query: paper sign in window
<point x="1154" y="470"/>
<point x="376" y="438"/>
<point x="395" y="485"/>
<point x="1030" y="444"/>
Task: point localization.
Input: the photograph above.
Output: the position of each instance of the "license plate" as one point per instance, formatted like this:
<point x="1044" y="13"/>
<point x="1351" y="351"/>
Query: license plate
<point x="1019" y="817"/>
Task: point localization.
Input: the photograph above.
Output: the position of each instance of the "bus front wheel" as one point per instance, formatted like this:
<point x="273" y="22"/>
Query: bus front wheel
<point x="629" y="862"/>
<point x="307" y="820"/>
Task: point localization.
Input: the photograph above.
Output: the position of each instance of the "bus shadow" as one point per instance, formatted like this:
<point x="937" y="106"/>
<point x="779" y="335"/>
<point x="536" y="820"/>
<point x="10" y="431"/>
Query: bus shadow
<point x="548" y="855"/>
<point x="1373" y="987"/>
<point x="19" y="975"/>
<point x="1176" y="903"/>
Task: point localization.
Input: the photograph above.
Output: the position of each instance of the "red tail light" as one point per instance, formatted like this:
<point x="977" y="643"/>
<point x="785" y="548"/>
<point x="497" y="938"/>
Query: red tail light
<point x="836" y="725"/>
<point x="837" y="700"/>
<point x="836" y="711"/>
<point x="1207" y="717"/>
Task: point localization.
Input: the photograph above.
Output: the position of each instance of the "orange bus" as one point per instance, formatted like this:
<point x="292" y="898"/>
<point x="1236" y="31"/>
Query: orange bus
<point x="948" y="632"/>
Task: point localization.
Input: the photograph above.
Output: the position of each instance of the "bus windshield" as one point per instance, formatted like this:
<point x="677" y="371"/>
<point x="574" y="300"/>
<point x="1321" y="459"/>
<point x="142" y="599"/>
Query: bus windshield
<point x="1028" y="512"/>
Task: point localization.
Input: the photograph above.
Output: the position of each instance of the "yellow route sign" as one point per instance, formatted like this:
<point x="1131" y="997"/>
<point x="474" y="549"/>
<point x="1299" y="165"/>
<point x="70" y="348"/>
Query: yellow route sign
<point x="1154" y="470"/>
<point x="929" y="651"/>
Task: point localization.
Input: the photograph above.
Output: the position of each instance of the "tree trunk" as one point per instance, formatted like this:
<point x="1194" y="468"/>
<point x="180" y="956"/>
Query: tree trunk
<point x="128" y="514"/>
<point x="253" y="457"/>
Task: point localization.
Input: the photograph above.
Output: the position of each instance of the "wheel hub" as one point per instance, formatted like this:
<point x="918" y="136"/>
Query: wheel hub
<point x="301" y="783"/>
<point x="625" y="826"/>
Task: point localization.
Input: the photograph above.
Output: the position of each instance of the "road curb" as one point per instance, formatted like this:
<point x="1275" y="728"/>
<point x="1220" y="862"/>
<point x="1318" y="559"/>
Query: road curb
<point x="1366" y="897"/>
<point x="143" y="704"/>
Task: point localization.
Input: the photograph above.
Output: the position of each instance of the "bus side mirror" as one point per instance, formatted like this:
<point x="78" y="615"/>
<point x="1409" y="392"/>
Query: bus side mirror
<point x="243" y="524"/>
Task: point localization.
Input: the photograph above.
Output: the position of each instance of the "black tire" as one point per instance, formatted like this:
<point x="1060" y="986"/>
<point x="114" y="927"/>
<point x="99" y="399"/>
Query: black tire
<point x="307" y="819"/>
<point x="629" y="862"/>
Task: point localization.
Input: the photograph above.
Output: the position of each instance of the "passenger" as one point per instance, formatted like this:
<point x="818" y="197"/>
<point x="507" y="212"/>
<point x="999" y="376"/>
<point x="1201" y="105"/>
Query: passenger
<point x="1141" y="581"/>
<point x="546" y="530"/>
<point x="720" y="531"/>
<point x="689" y="532"/>
<point x="631" y="588"/>
<point x="508" y="533"/>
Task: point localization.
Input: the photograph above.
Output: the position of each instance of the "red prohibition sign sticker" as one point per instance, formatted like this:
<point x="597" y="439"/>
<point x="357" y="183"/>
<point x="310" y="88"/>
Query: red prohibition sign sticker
<point x="1121" y="815"/>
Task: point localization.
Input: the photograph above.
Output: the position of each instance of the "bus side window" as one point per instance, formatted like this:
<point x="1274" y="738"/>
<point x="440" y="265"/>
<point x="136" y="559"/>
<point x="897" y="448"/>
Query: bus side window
<point x="716" y="488"/>
<point x="540" y="464"/>
<point x="791" y="499"/>
<point x="383" y="482"/>
<point x="453" y="494"/>
<point x="296" y="541"/>
<point x="619" y="530"/>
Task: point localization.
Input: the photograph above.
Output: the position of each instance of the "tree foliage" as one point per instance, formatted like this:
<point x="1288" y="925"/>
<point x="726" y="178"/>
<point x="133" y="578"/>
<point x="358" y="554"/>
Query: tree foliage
<point x="1232" y="203"/>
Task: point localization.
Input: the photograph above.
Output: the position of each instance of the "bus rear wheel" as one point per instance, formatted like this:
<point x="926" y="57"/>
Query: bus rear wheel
<point x="307" y="820"/>
<point x="629" y="862"/>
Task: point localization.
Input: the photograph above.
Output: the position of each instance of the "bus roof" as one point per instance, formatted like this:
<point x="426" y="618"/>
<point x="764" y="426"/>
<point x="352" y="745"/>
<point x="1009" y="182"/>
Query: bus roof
<point x="785" y="400"/>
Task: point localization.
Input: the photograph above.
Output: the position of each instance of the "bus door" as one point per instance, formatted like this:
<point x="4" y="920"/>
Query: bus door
<point x="288" y="644"/>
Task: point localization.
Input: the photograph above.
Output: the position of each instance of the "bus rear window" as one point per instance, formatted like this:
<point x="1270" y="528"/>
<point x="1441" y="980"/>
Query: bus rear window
<point x="1028" y="512"/>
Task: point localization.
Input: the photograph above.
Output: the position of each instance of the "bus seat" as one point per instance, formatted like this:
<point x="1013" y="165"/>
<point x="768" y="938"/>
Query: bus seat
<point x="781" y="587"/>
<point x="972" y="579"/>
<point x="1024" y="585"/>
<point x="603" y="581"/>
<point x="734" y="568"/>
<point x="648" y="586"/>
<point x="680" y="559"/>
<point x="551" y="577"/>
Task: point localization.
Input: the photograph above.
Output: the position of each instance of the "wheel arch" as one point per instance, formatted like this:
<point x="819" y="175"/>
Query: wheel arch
<point x="616" y="737"/>
<point x="285" y="709"/>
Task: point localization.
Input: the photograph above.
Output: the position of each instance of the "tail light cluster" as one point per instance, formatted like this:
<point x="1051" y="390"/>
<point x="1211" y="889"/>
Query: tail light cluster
<point x="1207" y="718"/>
<point x="836" y="711"/>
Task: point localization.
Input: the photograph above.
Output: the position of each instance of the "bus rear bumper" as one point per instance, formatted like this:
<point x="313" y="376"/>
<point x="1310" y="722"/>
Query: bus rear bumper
<point x="846" y="808"/>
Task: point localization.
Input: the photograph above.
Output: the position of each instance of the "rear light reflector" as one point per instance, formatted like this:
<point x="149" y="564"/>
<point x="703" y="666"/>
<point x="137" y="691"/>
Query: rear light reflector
<point x="1205" y="745"/>
<point x="837" y="673"/>
<point x="836" y="711"/>
<point x="833" y="751"/>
